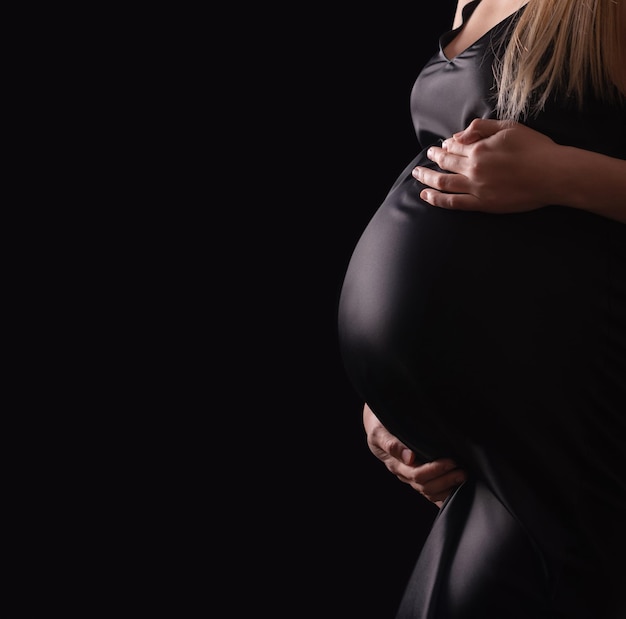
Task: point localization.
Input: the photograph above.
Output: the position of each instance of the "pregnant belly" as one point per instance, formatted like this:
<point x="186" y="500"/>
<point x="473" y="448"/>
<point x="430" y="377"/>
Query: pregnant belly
<point x="447" y="319"/>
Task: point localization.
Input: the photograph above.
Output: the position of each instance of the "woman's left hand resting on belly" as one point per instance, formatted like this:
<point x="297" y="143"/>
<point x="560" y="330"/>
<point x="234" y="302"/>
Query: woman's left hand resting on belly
<point x="497" y="166"/>
<point x="434" y="480"/>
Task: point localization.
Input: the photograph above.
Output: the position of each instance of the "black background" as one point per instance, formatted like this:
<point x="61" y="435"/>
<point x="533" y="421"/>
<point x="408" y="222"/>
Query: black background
<point x="217" y="465"/>
<point x="328" y="531"/>
<point x="260" y="495"/>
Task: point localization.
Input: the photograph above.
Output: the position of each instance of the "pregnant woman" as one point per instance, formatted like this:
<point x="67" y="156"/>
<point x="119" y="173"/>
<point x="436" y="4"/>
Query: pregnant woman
<point x="483" y="313"/>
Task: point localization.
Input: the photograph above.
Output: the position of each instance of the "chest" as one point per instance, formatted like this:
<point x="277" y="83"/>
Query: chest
<point x="485" y="16"/>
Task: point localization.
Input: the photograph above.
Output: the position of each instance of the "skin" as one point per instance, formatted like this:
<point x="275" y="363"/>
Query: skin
<point x="498" y="167"/>
<point x="434" y="480"/>
<point x="486" y="15"/>
<point x="503" y="167"/>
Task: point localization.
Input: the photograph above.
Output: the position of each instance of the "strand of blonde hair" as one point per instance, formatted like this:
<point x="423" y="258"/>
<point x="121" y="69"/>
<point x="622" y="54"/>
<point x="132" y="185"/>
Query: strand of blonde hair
<point x="564" y="46"/>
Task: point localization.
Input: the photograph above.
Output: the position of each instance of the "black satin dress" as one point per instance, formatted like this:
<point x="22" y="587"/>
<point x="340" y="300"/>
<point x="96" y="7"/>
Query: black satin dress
<point x="500" y="341"/>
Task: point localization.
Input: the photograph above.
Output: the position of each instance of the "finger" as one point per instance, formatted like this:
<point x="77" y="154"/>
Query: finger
<point x="443" y="181"/>
<point x="438" y="489"/>
<point x="479" y="129"/>
<point x="452" y="201"/>
<point x="383" y="440"/>
<point x="433" y="497"/>
<point x="441" y="473"/>
<point x="426" y="472"/>
<point x="456" y="162"/>
<point x="445" y="483"/>
<point x="455" y="147"/>
<point x="446" y="160"/>
<point x="399" y="470"/>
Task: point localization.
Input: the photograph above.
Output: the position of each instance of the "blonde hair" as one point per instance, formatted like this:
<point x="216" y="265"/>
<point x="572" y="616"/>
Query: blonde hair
<point x="564" y="47"/>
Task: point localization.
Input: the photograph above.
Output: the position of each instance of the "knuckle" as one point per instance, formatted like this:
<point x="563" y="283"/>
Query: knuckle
<point x="480" y="148"/>
<point x="387" y="444"/>
<point x="445" y="182"/>
<point x="450" y="202"/>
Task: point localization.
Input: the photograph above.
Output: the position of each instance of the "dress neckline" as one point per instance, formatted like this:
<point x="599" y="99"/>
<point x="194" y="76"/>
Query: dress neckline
<point x="466" y="13"/>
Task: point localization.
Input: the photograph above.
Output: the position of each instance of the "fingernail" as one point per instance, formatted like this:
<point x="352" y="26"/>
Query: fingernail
<point x="416" y="173"/>
<point x="407" y="454"/>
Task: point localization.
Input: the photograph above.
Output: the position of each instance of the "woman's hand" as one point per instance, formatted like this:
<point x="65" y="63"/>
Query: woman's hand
<point x="434" y="480"/>
<point x="495" y="167"/>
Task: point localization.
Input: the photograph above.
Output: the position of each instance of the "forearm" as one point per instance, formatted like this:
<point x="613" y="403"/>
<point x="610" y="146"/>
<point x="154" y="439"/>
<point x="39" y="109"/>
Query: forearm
<point x="589" y="181"/>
